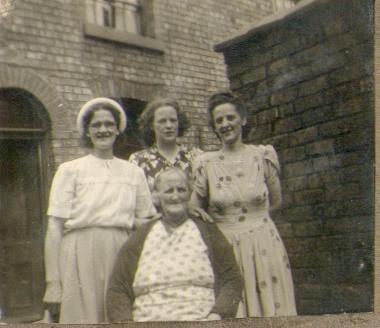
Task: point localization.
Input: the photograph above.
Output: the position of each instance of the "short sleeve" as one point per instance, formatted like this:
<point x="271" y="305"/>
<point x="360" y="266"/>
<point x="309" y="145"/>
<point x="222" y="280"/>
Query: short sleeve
<point x="195" y="152"/>
<point x="272" y="165"/>
<point x="144" y="205"/>
<point x="200" y="178"/>
<point x="133" y="159"/>
<point x="62" y="192"/>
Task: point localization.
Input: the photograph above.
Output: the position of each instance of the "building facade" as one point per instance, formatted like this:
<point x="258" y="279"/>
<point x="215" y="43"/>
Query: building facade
<point x="54" y="56"/>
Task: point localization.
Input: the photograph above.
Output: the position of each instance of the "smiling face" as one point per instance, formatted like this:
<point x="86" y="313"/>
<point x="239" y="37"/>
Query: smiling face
<point x="228" y="123"/>
<point x="102" y="131"/>
<point x="173" y="194"/>
<point x="165" y="125"/>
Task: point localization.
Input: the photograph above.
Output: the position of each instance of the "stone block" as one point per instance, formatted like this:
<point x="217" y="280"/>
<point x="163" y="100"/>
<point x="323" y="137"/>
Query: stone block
<point x="311" y="196"/>
<point x="298" y="169"/>
<point x="292" y="154"/>
<point x="305" y="103"/>
<point x="283" y="96"/>
<point x="288" y="124"/>
<point x="304" y="136"/>
<point x="312" y="86"/>
<point x="345" y="124"/>
<point x="279" y="66"/>
<point x="317" y="115"/>
<point x="361" y="103"/>
<point x="320" y="147"/>
<point x="343" y="192"/>
<point x="355" y="140"/>
<point x="285" y="110"/>
<point x="295" y="184"/>
<point x="323" y="179"/>
<point x="252" y="76"/>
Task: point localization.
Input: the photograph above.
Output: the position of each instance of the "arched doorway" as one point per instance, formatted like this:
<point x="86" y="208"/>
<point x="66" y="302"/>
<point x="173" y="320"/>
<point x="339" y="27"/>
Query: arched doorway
<point x="24" y="126"/>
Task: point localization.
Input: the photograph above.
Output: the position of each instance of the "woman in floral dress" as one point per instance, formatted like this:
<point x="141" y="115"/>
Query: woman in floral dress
<point x="239" y="186"/>
<point x="160" y="124"/>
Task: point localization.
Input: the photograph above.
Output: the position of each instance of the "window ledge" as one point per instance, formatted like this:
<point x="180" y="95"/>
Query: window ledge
<point x="110" y="34"/>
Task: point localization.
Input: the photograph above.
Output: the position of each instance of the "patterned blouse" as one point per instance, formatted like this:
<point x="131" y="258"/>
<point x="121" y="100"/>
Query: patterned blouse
<point x="152" y="162"/>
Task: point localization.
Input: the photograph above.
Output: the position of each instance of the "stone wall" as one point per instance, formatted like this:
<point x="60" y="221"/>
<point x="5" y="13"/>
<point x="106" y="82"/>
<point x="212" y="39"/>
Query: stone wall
<point x="307" y="78"/>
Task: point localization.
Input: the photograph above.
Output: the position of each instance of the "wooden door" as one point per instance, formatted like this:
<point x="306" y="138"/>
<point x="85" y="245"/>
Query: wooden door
<point x="21" y="231"/>
<point x="23" y="131"/>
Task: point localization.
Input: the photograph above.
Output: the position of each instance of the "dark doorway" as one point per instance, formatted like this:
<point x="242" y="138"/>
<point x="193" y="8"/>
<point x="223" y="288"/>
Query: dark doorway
<point x="22" y="205"/>
<point x="131" y="141"/>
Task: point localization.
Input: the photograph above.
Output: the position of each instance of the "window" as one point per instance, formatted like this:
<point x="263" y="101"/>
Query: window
<point x="281" y="5"/>
<point x="122" y="15"/>
<point x="125" y="21"/>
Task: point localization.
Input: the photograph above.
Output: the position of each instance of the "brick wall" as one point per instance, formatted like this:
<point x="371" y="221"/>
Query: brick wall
<point x="307" y="79"/>
<point x="47" y="38"/>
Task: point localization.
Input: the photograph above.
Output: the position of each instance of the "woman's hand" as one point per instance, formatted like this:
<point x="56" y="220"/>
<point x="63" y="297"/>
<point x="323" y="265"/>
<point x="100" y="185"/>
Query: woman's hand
<point x="141" y="221"/>
<point x="53" y="292"/>
<point x="53" y="312"/>
<point x="198" y="212"/>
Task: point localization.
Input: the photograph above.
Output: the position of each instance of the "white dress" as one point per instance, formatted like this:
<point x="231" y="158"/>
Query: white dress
<point x="238" y="199"/>
<point x="98" y="201"/>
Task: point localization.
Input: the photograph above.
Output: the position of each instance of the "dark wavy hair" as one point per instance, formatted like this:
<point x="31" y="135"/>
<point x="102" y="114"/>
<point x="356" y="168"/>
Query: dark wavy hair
<point x="147" y="116"/>
<point x="86" y="141"/>
<point x="224" y="97"/>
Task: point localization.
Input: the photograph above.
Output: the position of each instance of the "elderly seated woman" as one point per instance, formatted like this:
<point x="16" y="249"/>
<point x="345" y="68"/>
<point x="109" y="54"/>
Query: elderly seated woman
<point x="174" y="268"/>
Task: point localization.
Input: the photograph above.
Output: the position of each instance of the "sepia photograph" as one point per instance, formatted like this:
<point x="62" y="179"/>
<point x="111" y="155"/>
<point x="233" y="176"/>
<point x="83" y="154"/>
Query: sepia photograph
<point x="188" y="161"/>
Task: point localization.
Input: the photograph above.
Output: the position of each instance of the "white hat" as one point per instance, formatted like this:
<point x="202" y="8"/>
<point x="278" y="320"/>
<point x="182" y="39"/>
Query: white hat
<point x="93" y="102"/>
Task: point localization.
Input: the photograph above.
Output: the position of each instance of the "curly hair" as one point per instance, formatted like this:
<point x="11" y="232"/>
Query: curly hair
<point x="86" y="141"/>
<point x="225" y="97"/>
<point x="147" y="117"/>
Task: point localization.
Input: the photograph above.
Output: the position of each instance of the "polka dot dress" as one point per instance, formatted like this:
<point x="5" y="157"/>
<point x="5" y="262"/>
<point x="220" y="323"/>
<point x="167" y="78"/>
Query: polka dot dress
<point x="174" y="279"/>
<point x="239" y="201"/>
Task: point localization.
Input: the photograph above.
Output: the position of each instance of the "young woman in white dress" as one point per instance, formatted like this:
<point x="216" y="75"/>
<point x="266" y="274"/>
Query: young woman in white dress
<point x="95" y="201"/>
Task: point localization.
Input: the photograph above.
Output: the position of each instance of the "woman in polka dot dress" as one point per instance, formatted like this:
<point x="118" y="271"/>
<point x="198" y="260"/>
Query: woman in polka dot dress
<point x="176" y="268"/>
<point x="239" y="186"/>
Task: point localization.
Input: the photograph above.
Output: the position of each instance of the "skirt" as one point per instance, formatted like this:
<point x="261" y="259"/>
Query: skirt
<point x="264" y="264"/>
<point x="86" y="263"/>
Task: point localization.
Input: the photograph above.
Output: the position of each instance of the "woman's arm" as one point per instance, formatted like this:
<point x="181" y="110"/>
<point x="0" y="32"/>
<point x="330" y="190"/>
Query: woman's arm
<point x="197" y="206"/>
<point x="198" y="201"/>
<point x="274" y="187"/>
<point x="275" y="195"/>
<point x="53" y="241"/>
<point x="272" y="179"/>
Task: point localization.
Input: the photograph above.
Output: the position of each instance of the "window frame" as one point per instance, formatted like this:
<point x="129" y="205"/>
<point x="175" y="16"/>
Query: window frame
<point x="108" y="33"/>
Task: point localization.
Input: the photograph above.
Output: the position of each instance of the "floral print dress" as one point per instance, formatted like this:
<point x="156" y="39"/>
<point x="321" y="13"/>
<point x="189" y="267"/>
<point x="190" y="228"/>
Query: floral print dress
<point x="236" y="191"/>
<point x="152" y="162"/>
